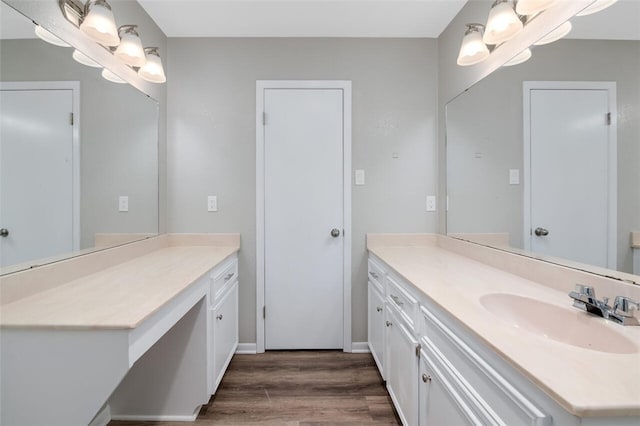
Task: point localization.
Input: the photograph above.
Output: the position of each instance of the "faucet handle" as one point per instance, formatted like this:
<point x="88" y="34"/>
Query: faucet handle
<point x="586" y="290"/>
<point x="625" y="306"/>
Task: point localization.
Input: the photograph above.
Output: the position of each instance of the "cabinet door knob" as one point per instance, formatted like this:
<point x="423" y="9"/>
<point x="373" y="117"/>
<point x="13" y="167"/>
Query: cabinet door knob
<point x="389" y="324"/>
<point x="426" y="378"/>
<point x="219" y="317"/>
<point x="378" y="308"/>
<point x="335" y="232"/>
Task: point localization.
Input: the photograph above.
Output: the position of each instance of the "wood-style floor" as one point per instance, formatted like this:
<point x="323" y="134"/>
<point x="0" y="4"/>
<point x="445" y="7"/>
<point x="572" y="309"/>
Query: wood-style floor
<point x="297" y="388"/>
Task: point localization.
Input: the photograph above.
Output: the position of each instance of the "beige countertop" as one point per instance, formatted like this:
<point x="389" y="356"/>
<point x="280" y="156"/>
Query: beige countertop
<point x="118" y="297"/>
<point x="585" y="382"/>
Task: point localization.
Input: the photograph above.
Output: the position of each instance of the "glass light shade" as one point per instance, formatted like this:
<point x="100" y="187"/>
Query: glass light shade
<point x="152" y="70"/>
<point x="84" y="59"/>
<point x="503" y="23"/>
<point x="519" y="58"/>
<point x="130" y="49"/>
<point x="596" y="7"/>
<point x="555" y="35"/>
<point x="473" y="50"/>
<point x="99" y="24"/>
<point x="49" y="37"/>
<point x="108" y="75"/>
<point x="531" y="7"/>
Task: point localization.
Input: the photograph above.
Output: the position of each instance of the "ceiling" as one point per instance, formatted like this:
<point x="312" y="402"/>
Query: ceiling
<point x="307" y="18"/>
<point x="302" y="18"/>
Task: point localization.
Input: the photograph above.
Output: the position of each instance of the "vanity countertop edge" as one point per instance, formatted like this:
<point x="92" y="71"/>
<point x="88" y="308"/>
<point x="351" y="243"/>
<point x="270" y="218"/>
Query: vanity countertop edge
<point x="609" y="384"/>
<point x="122" y="296"/>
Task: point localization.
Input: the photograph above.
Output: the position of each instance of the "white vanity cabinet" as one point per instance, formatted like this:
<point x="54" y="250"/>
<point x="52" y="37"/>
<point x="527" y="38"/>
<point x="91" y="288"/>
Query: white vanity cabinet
<point x="375" y="313"/>
<point x="223" y="320"/>
<point x="402" y="350"/>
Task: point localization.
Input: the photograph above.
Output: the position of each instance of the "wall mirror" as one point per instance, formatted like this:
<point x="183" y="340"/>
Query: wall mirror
<point x="69" y="184"/>
<point x="535" y="164"/>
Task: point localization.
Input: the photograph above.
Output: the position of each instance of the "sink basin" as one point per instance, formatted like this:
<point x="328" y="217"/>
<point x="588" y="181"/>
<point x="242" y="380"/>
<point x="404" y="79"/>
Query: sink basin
<point x="565" y="325"/>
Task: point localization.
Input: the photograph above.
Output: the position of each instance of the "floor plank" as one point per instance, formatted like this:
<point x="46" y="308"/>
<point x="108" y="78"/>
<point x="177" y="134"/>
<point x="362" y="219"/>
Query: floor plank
<point x="296" y="388"/>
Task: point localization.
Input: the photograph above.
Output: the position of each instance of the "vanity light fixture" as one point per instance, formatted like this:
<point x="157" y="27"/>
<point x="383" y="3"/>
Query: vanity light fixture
<point x="99" y="23"/>
<point x="556" y="34"/>
<point x="519" y="58"/>
<point x="83" y="59"/>
<point x="152" y="70"/>
<point x="49" y="38"/>
<point x="503" y="23"/>
<point x="108" y="75"/>
<point x="531" y="7"/>
<point x="130" y="48"/>
<point x="473" y="49"/>
<point x="597" y="6"/>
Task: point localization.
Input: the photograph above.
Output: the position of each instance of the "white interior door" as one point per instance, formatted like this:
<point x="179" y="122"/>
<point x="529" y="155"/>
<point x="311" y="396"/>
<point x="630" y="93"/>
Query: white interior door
<point x="571" y="203"/>
<point x="36" y="174"/>
<point x="303" y="203"/>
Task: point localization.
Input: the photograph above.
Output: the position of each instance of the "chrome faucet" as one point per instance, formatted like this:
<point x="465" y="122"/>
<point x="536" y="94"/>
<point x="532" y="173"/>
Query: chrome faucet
<point x="584" y="297"/>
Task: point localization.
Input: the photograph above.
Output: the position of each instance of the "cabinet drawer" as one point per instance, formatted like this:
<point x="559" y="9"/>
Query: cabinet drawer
<point x="225" y="274"/>
<point x="402" y="300"/>
<point x="376" y="274"/>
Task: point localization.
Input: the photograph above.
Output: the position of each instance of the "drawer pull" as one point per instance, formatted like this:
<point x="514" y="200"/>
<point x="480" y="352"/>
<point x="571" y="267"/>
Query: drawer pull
<point x="228" y="276"/>
<point x="389" y="324"/>
<point x="396" y="300"/>
<point x="373" y="274"/>
<point x="378" y="308"/>
<point x="219" y="317"/>
<point x="426" y="378"/>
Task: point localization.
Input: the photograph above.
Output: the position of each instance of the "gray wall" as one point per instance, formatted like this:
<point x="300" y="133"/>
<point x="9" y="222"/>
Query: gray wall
<point x="211" y="139"/>
<point x="479" y="126"/>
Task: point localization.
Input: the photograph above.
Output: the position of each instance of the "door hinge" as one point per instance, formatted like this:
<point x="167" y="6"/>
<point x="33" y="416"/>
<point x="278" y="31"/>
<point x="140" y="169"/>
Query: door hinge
<point x="71" y="118"/>
<point x="264" y="118"/>
<point x="418" y="347"/>
<point x="264" y="312"/>
<point x="608" y="119"/>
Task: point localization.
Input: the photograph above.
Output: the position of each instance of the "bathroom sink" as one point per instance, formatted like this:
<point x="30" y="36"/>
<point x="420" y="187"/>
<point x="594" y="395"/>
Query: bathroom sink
<point x="569" y="326"/>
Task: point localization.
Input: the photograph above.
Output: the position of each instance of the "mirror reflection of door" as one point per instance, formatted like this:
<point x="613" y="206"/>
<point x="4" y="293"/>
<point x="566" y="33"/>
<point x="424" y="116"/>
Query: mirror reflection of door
<point x="571" y="144"/>
<point x="36" y="173"/>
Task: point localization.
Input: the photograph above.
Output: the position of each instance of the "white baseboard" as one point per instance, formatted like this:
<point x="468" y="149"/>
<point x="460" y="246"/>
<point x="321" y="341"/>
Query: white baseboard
<point x="157" y="418"/>
<point x="247" y="349"/>
<point x="103" y="417"/>
<point x="360" y="348"/>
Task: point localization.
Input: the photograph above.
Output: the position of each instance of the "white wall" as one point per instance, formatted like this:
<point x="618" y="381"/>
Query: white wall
<point x="211" y="139"/>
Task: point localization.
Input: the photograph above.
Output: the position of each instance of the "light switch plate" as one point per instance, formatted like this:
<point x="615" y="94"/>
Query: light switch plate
<point x="359" y="177"/>
<point x="212" y="203"/>
<point x="514" y="177"/>
<point x="123" y="203"/>
<point x="431" y="203"/>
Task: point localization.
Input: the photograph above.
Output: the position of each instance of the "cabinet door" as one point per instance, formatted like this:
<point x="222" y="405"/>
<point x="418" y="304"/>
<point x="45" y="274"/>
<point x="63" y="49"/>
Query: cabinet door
<point x="376" y="326"/>
<point x="401" y="368"/>
<point x="225" y="333"/>
<point x="437" y="407"/>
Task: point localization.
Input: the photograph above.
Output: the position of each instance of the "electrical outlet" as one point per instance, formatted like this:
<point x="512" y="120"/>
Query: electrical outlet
<point x="359" y="177"/>
<point x="123" y="203"/>
<point x="212" y="203"/>
<point x="431" y="203"/>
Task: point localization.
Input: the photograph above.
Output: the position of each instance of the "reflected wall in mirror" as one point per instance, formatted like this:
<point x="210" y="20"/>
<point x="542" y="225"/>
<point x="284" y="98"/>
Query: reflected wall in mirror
<point x="496" y="167"/>
<point x="62" y="177"/>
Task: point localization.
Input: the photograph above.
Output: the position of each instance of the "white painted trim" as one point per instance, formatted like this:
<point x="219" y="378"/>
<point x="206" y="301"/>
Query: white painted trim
<point x="612" y="225"/>
<point x="132" y="418"/>
<point x="74" y="86"/>
<point x="103" y="417"/>
<point x="344" y="85"/>
<point x="247" y="349"/>
<point x="360" y="348"/>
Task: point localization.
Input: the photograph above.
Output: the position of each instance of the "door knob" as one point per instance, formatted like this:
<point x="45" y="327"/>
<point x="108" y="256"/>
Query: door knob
<point x="4" y="232"/>
<point x="335" y="232"/>
<point x="541" y="232"/>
